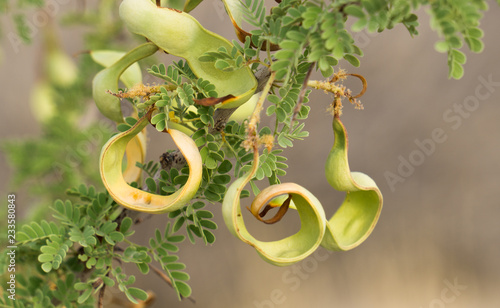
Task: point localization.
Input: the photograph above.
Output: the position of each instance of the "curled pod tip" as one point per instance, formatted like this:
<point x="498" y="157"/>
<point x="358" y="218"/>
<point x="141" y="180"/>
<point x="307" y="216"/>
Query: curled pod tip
<point x="356" y="218"/>
<point x="130" y="77"/>
<point x="288" y="250"/>
<point x="107" y="80"/>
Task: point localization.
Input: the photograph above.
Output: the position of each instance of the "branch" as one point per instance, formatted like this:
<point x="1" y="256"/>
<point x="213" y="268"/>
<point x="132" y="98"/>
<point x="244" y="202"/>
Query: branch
<point x="167" y="280"/>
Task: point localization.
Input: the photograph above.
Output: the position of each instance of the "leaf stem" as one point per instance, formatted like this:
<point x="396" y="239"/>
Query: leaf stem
<point x="301" y="96"/>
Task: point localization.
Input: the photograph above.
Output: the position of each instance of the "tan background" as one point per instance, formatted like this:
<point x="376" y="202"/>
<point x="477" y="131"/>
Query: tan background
<point x="438" y="228"/>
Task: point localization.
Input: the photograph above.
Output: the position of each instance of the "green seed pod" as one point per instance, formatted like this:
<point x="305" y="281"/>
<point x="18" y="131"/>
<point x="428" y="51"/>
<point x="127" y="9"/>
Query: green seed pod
<point x="244" y="111"/>
<point x="290" y="249"/>
<point x="181" y="35"/>
<point x="190" y="5"/>
<point x="43" y="105"/>
<point x="107" y="80"/>
<point x="348" y="228"/>
<point x="130" y="77"/>
<point x="61" y="70"/>
<point x="357" y="216"/>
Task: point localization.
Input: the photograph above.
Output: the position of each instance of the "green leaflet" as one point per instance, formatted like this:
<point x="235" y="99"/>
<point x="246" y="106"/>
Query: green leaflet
<point x="110" y="166"/>
<point x="163" y="26"/>
<point x="357" y="216"/>
<point x="107" y="80"/>
<point x="349" y="227"/>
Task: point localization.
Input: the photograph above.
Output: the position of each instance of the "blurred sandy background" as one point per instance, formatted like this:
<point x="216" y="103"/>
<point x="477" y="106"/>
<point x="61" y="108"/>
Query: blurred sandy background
<point x="437" y="243"/>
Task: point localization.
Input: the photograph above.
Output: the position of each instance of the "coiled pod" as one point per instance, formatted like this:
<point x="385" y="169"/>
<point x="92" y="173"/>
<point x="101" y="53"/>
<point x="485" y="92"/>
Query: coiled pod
<point x="110" y="167"/>
<point x="349" y="226"/>
<point x="357" y="216"/>
<point x="290" y="249"/>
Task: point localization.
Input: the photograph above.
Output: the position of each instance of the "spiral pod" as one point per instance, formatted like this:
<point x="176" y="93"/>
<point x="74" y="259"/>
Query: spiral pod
<point x="356" y="218"/>
<point x="122" y="66"/>
<point x="351" y="224"/>
<point x="130" y="77"/>
<point x="290" y="249"/>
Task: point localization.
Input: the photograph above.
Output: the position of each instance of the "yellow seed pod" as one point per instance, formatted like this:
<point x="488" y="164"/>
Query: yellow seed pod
<point x="124" y="66"/>
<point x="244" y="111"/>
<point x="135" y="152"/>
<point x="43" y="101"/>
<point x="135" y="199"/>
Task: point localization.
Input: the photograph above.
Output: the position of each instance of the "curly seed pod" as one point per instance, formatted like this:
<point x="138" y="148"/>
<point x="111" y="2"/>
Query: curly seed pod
<point x="135" y="199"/>
<point x="290" y="249"/>
<point x="357" y="216"/>
<point x="352" y="223"/>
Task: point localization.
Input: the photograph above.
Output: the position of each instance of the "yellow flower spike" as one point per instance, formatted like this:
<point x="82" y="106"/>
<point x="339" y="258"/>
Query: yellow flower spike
<point x="107" y="80"/>
<point x="135" y="199"/>
<point x="357" y="216"/>
<point x="163" y="27"/>
<point x="290" y="249"/>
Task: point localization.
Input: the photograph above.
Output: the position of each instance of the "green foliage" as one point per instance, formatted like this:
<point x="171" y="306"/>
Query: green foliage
<point x="91" y="234"/>
<point x="23" y="31"/>
<point x="163" y="245"/>
<point x="176" y="100"/>
<point x="223" y="59"/>
<point x="254" y="12"/>
<point x="37" y="231"/>
<point x="197" y="222"/>
<point x="53" y="253"/>
<point x="59" y="159"/>
<point x="314" y="31"/>
<point x="22" y="28"/>
<point x="458" y="22"/>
